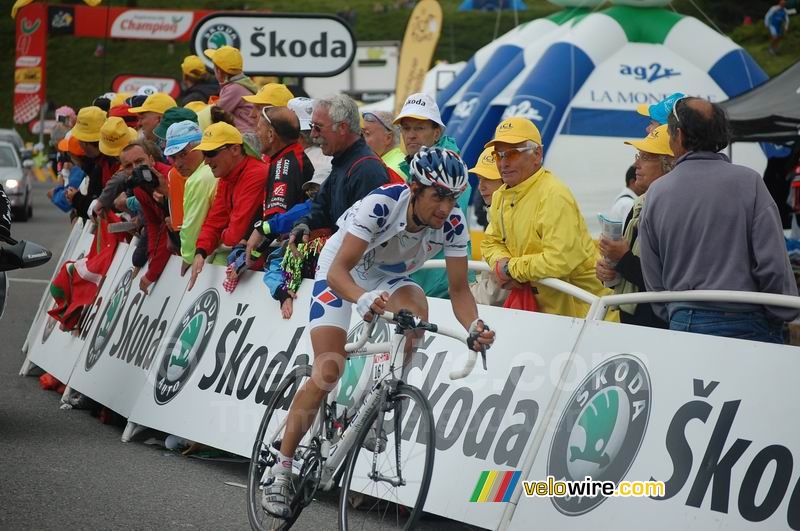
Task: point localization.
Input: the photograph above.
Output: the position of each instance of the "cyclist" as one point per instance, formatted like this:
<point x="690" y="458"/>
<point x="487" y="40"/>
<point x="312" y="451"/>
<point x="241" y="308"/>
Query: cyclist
<point x="382" y="240"/>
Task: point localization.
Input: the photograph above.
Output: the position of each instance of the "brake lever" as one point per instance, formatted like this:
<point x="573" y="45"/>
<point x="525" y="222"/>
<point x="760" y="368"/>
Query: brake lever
<point x="473" y="338"/>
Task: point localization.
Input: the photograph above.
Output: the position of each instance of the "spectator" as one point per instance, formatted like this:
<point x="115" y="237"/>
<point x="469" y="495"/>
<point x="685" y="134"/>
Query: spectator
<point x="65" y="120"/>
<point x="303" y="107"/>
<point x="98" y="167"/>
<point x="384" y="139"/>
<point x="710" y="224"/>
<point x="124" y="111"/>
<point x="195" y="106"/>
<point x="240" y="187"/>
<point x="658" y="112"/>
<point x="536" y="229"/>
<point x="653" y="160"/>
<point x="198" y="83"/>
<point x="149" y="187"/>
<point x="355" y="170"/>
<point x="624" y="201"/>
<point x="777" y="22"/>
<point x="421" y="126"/>
<point x="233" y="86"/>
<point x="176" y="180"/>
<point x="71" y="172"/>
<point x="200" y="187"/>
<point x="289" y="167"/>
<point x="151" y="112"/>
<point x="487" y="289"/>
<point x="270" y="95"/>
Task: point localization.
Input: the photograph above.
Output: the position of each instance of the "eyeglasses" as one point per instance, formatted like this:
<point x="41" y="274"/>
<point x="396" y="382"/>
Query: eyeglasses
<point x="646" y="157"/>
<point x="265" y="115"/>
<point x="317" y="128"/>
<point x="512" y="153"/>
<point x="443" y="192"/>
<point x="372" y="117"/>
<point x="214" y="152"/>
<point x="675" y="110"/>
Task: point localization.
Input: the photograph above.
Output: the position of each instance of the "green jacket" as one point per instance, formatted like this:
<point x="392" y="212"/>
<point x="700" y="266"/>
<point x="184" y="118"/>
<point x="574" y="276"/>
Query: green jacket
<point x="434" y="281"/>
<point x="198" y="195"/>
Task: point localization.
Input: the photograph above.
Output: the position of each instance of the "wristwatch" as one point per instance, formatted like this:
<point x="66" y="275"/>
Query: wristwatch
<point x="505" y="270"/>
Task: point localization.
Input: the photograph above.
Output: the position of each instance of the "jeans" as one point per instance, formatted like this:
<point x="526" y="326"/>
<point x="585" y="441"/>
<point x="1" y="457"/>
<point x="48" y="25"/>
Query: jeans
<point x="740" y="325"/>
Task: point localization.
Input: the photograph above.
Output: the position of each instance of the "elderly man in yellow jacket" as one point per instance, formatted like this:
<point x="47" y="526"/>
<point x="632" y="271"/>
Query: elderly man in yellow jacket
<point x="537" y="230"/>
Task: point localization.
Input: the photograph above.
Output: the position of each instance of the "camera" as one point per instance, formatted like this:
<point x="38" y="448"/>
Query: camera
<point x="61" y="119"/>
<point x="143" y="176"/>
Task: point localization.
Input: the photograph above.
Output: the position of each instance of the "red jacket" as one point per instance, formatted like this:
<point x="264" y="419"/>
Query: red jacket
<point x="157" y="237"/>
<point x="235" y="206"/>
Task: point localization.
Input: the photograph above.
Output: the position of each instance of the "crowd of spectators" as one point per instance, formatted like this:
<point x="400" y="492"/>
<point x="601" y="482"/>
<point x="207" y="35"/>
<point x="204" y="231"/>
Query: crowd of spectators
<point x="255" y="179"/>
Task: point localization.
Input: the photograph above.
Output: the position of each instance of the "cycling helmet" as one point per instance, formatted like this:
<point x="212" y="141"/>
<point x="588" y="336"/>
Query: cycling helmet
<point x="440" y="168"/>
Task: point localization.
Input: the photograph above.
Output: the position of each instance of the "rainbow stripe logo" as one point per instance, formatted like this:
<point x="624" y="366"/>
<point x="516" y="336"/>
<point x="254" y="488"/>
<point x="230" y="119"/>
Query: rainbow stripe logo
<point x="495" y="486"/>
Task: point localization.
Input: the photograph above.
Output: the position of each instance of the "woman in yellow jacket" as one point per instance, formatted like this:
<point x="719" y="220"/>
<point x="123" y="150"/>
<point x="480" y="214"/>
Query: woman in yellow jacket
<point x="537" y="230"/>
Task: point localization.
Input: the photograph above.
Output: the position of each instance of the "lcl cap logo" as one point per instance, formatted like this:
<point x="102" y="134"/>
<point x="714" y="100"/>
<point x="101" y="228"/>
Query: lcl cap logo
<point x="488" y="159"/>
<point x="506" y="126"/>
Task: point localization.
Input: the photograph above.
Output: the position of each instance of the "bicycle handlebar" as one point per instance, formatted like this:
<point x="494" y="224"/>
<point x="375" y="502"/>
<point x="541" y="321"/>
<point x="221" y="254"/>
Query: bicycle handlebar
<point x="413" y="322"/>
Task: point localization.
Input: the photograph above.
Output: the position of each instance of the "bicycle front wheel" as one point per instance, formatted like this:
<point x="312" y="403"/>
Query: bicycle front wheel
<point x="266" y="447"/>
<point x="386" y="483"/>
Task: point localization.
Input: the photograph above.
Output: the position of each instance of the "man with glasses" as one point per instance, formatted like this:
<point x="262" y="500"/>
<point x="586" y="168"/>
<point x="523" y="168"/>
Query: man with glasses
<point x="355" y="170"/>
<point x="278" y="129"/>
<point x="240" y="188"/>
<point x="536" y="229"/>
<point x="421" y="126"/>
<point x="710" y="224"/>
<point x="384" y="139"/>
<point x="200" y="186"/>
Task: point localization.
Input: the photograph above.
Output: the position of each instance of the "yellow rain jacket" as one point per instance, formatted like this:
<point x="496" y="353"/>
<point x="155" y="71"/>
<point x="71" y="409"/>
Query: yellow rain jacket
<point x="538" y="225"/>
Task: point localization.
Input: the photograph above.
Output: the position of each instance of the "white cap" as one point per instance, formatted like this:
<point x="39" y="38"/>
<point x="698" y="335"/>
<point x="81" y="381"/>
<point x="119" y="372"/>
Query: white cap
<point x="303" y="108"/>
<point x="422" y="107"/>
<point x="146" y="90"/>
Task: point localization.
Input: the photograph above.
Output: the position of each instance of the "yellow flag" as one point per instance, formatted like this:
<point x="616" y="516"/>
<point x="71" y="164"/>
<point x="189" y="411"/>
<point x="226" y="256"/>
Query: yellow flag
<point x="419" y="43"/>
<point x="19" y="4"/>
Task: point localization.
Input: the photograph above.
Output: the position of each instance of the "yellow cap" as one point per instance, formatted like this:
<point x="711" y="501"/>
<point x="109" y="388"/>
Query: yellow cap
<point x="274" y="94"/>
<point x="119" y="99"/>
<point x="115" y="135"/>
<point x="195" y="106"/>
<point x="88" y="124"/>
<point x="193" y="66"/>
<point x="486" y="166"/>
<point x="158" y="102"/>
<point x="657" y="142"/>
<point x="515" y="130"/>
<point x="226" y="58"/>
<point x="218" y="135"/>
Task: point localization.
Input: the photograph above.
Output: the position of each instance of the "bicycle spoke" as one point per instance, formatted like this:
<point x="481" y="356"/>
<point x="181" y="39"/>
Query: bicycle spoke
<point x="388" y="505"/>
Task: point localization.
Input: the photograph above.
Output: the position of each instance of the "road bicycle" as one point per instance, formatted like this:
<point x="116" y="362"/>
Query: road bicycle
<point x="384" y="478"/>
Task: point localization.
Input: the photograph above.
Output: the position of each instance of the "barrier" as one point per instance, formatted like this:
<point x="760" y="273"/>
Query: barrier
<point x="49" y="347"/>
<point x="201" y="365"/>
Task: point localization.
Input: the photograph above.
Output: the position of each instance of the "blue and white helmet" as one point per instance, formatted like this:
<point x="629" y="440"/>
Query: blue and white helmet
<point x="440" y="168"/>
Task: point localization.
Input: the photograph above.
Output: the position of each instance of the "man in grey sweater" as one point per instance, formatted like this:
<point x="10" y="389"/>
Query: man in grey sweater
<point x="710" y="224"/>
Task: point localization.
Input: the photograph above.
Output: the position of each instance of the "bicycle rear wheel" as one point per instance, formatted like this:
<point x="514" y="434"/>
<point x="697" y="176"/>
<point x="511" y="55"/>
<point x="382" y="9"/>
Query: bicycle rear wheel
<point x="368" y="498"/>
<point x="265" y="450"/>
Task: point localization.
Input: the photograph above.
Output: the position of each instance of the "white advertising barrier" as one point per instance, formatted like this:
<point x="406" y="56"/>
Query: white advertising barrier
<point x="713" y="418"/>
<point x="212" y="376"/>
<point x="49" y="347"/>
<point x="44" y="302"/>
<point x="126" y="333"/>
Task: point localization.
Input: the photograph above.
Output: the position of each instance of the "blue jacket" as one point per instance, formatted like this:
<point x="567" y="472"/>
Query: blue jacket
<point x="355" y="172"/>
<point x="75" y="179"/>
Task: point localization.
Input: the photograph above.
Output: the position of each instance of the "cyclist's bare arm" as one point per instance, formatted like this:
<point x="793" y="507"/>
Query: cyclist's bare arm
<point x="464" y="307"/>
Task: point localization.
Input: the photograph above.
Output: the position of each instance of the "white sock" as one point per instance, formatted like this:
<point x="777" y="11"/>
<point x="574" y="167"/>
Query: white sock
<point x="283" y="466"/>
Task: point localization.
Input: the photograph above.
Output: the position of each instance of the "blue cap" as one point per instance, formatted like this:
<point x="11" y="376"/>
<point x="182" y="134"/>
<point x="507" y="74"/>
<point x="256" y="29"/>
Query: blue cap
<point x="180" y="134"/>
<point x="659" y="112"/>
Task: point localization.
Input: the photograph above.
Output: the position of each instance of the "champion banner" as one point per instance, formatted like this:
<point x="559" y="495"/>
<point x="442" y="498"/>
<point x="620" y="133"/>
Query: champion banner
<point x="30" y="62"/>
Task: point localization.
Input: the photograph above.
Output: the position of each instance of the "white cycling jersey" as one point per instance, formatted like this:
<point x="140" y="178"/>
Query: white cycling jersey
<point x="392" y="253"/>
